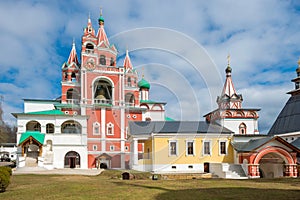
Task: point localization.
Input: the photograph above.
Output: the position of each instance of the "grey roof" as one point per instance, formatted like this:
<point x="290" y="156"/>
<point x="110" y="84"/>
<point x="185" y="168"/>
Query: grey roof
<point x="148" y="127"/>
<point x="288" y="119"/>
<point x="251" y="144"/>
<point x="296" y="143"/>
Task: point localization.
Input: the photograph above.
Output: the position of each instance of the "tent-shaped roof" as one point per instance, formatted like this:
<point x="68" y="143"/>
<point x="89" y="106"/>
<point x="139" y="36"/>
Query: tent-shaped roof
<point x="38" y="136"/>
<point x="288" y="119"/>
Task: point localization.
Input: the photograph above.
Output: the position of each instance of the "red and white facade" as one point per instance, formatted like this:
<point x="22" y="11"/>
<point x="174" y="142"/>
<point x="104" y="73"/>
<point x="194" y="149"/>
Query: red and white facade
<point x="109" y="95"/>
<point x="98" y="98"/>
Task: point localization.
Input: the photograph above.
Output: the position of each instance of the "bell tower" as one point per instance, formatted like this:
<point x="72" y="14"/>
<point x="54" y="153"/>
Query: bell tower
<point x="70" y="84"/>
<point x="230" y="113"/>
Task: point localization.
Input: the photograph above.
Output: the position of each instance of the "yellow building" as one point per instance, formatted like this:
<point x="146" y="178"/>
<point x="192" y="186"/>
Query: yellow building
<point x="227" y="144"/>
<point x="180" y="146"/>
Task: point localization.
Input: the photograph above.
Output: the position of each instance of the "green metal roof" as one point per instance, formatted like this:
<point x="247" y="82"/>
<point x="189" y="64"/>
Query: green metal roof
<point x="63" y="105"/>
<point x="144" y="84"/>
<point x="169" y="119"/>
<point x="151" y="102"/>
<point x="47" y="112"/>
<point x="38" y="136"/>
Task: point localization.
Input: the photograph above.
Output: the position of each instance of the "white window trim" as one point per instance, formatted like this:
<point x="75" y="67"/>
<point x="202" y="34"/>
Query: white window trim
<point x="226" y="147"/>
<point x="110" y="125"/>
<point x="210" y="148"/>
<point x="95" y="147"/>
<point x="170" y="141"/>
<point x="186" y="147"/>
<point x="126" y="132"/>
<point x="99" y="128"/>
<point x="111" y="147"/>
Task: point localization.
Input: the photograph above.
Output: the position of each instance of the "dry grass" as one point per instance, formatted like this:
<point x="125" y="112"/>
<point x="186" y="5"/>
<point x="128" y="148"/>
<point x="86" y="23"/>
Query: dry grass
<point x="109" y="186"/>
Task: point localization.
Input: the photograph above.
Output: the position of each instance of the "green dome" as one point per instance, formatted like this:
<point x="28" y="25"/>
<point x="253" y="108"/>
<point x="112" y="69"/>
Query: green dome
<point x="101" y="19"/>
<point x="144" y="84"/>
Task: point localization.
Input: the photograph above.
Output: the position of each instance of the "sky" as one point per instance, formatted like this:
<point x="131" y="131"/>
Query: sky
<point x="181" y="48"/>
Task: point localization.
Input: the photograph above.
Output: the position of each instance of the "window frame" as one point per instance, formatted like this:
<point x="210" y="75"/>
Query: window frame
<point x="187" y="147"/>
<point x="112" y="148"/>
<point x="110" y="126"/>
<point x="220" y="147"/>
<point x="204" y="153"/>
<point x="95" y="147"/>
<point x="96" y="125"/>
<point x="171" y="153"/>
<point x="49" y="127"/>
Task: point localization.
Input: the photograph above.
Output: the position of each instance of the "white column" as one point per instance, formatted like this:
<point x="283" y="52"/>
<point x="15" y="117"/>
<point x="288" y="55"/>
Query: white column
<point x="122" y="118"/>
<point x="103" y="131"/>
<point x="135" y="152"/>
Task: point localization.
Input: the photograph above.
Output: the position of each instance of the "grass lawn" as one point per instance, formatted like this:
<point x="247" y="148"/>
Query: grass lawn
<point x="109" y="186"/>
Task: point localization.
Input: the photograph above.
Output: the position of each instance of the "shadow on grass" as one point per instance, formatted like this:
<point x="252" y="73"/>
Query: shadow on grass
<point x="240" y="193"/>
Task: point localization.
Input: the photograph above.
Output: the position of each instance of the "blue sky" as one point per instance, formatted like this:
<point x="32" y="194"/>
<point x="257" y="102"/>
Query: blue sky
<point x="180" y="46"/>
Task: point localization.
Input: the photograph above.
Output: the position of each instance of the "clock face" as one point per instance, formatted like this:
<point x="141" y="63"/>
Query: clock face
<point x="90" y="64"/>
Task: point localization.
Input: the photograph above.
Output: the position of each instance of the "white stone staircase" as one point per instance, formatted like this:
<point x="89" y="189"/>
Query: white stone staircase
<point x="226" y="170"/>
<point x="235" y="171"/>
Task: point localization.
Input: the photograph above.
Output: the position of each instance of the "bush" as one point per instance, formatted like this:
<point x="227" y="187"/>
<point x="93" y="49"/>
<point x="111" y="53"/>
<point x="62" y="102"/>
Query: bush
<point x="8" y="169"/>
<point x="5" y="173"/>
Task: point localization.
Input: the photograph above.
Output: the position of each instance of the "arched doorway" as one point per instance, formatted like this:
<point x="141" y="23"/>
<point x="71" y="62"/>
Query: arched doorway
<point x="103" y="161"/>
<point x="272" y="165"/>
<point x="272" y="162"/>
<point x="31" y="143"/>
<point x="72" y="160"/>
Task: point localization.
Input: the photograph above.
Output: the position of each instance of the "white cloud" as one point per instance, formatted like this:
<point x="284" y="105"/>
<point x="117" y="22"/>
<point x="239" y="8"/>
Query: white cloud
<point x="261" y="36"/>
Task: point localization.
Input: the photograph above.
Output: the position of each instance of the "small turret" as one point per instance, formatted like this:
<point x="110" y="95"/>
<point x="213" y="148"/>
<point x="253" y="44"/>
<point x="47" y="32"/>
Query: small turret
<point x="296" y="80"/>
<point x="144" y="88"/>
<point x="127" y="62"/>
<point x="229" y="98"/>
<point x="101" y="35"/>
<point x="101" y="19"/>
<point x="89" y="30"/>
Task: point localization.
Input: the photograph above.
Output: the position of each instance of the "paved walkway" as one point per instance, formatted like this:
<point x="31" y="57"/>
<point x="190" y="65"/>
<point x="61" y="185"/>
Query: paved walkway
<point x="40" y="170"/>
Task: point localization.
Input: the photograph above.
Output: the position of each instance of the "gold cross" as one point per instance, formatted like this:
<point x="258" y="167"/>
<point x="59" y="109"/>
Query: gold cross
<point x="228" y="59"/>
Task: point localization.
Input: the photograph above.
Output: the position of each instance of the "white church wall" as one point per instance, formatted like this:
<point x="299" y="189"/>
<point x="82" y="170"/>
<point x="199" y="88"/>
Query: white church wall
<point x="34" y="106"/>
<point x="233" y="124"/>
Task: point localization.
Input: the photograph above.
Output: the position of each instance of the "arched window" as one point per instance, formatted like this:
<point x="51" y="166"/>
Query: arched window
<point x="110" y="129"/>
<point x="96" y="128"/>
<point x="73" y="77"/>
<point x="49" y="145"/>
<point x="33" y="126"/>
<point x="72" y="96"/>
<point x="129" y="81"/>
<point x="71" y="126"/>
<point x="102" y="60"/>
<point x="49" y="128"/>
<point x="112" y="62"/>
<point x="243" y="129"/>
<point x="72" y="160"/>
<point x="102" y="92"/>
<point x="129" y="99"/>
<point x="89" y="48"/>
